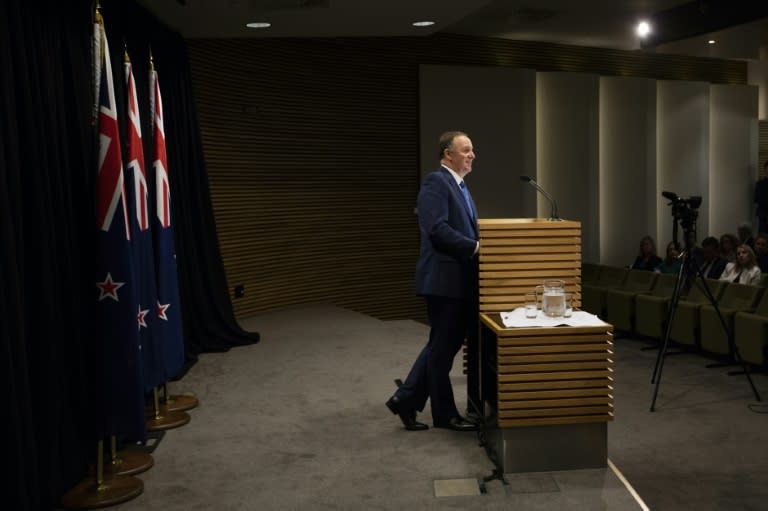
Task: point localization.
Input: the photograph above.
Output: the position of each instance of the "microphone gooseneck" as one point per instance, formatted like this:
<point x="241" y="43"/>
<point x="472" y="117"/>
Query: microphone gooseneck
<point x="553" y="204"/>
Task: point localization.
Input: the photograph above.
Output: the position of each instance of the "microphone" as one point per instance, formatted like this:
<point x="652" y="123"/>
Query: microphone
<point x="533" y="183"/>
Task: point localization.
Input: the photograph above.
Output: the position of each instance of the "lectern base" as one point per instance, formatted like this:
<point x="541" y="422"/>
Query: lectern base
<point x="550" y="448"/>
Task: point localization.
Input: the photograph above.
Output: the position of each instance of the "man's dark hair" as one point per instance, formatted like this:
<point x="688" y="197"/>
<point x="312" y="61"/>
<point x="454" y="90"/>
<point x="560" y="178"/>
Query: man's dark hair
<point x="710" y="241"/>
<point x="446" y="140"/>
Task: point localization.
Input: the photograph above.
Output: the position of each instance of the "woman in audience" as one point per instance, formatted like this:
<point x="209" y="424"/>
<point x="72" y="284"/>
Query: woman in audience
<point x="728" y="244"/>
<point x="744" y="270"/>
<point x="671" y="263"/>
<point x="647" y="258"/>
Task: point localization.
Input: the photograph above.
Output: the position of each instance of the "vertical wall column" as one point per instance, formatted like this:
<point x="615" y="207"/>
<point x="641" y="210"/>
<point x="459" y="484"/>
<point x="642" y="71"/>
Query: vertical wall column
<point x="682" y="151"/>
<point x="733" y="166"/>
<point x="567" y="124"/>
<point x="496" y="106"/>
<point x="627" y="166"/>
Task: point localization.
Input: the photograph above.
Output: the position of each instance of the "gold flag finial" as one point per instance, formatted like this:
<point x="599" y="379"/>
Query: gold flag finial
<point x="97" y="14"/>
<point x="151" y="60"/>
<point x="126" y="58"/>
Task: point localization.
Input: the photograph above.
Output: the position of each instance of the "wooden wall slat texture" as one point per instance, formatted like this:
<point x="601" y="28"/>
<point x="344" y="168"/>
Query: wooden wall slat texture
<point x="311" y="148"/>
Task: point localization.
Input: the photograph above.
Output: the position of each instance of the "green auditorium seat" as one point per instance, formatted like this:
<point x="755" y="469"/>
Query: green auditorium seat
<point x="620" y="303"/>
<point x="685" y="325"/>
<point x="592" y="295"/>
<point x="651" y="309"/>
<point x="736" y="298"/>
<point x="750" y="332"/>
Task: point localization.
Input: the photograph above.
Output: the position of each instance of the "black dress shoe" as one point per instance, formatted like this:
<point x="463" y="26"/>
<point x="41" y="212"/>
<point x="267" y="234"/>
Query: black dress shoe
<point x="458" y="424"/>
<point x="407" y="416"/>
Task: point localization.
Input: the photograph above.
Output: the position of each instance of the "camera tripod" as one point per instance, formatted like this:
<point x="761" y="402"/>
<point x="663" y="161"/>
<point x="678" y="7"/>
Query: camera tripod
<point x="687" y="265"/>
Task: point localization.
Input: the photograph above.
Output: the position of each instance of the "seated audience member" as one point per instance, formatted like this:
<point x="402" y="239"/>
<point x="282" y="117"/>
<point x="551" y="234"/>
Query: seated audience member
<point x="745" y="235"/>
<point x="744" y="270"/>
<point x="728" y="244"/>
<point x="761" y="252"/>
<point x="647" y="258"/>
<point x="671" y="263"/>
<point x="710" y="263"/>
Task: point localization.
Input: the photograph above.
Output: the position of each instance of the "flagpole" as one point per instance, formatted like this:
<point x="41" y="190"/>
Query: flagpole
<point x="98" y="491"/>
<point x="127" y="462"/>
<point x="162" y="418"/>
<point x="178" y="402"/>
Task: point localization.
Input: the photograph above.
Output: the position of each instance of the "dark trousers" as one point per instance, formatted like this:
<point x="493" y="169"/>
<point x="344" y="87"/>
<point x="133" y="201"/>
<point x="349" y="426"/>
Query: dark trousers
<point x="449" y="319"/>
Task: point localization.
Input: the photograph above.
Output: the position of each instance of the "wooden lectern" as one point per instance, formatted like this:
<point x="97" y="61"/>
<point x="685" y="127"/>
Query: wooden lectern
<point x="545" y="392"/>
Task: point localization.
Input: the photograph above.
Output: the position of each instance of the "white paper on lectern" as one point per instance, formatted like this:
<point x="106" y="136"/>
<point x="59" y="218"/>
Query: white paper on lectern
<point x="517" y="319"/>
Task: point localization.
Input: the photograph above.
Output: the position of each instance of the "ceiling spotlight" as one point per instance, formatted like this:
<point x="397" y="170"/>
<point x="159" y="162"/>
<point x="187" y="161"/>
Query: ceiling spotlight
<point x="711" y="41"/>
<point x="643" y="29"/>
<point x="259" y="24"/>
<point x="423" y="23"/>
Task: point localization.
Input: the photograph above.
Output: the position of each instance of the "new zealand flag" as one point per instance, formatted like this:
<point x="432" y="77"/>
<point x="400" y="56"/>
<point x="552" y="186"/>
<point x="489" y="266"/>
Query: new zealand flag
<point x="168" y="305"/>
<point x="143" y="251"/>
<point x="119" y="313"/>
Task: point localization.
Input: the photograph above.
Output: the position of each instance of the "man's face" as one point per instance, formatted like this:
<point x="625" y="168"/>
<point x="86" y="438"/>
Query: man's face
<point x="761" y="246"/>
<point x="460" y="155"/>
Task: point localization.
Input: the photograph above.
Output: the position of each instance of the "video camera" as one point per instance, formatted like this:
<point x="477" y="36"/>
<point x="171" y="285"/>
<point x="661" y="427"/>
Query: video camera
<point x="685" y="211"/>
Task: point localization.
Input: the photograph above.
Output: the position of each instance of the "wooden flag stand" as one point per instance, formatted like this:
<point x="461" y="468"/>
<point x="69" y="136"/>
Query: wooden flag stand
<point x="126" y="462"/>
<point x="162" y="418"/>
<point x="98" y="492"/>
<point x="178" y="403"/>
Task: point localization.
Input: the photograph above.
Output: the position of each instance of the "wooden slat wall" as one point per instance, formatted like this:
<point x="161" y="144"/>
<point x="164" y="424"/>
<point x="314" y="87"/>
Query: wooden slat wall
<point x="516" y="255"/>
<point x="312" y="155"/>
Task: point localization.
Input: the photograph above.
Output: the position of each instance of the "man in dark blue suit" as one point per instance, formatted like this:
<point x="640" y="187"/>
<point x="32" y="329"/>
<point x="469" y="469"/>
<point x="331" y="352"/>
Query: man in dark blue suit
<point x="446" y="275"/>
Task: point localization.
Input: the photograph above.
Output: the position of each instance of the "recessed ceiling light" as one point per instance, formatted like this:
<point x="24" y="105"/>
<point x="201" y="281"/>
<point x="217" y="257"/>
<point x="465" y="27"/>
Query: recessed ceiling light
<point x="643" y="29"/>
<point x="423" y="23"/>
<point x="259" y="24"/>
<point x="711" y="41"/>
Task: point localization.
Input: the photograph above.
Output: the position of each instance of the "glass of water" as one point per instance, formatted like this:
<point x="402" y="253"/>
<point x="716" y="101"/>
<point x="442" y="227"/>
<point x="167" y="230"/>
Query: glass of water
<point x="531" y="309"/>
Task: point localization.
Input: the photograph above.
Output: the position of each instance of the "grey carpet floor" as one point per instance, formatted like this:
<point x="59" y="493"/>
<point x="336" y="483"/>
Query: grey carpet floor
<point x="298" y="422"/>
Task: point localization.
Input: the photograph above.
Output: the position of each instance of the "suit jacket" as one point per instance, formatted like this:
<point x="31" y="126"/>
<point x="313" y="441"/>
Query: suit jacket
<point x="447" y="265"/>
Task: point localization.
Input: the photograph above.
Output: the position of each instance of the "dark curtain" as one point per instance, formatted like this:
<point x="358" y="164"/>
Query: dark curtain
<point x="47" y="175"/>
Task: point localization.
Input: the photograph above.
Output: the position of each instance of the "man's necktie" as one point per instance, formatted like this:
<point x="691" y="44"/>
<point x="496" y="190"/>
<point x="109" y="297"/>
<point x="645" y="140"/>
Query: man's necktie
<point x="464" y="190"/>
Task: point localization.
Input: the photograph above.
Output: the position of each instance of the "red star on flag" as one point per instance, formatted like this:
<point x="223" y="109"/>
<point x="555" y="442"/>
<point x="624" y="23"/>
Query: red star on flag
<point x="141" y="317"/>
<point x="108" y="288"/>
<point x="161" y="310"/>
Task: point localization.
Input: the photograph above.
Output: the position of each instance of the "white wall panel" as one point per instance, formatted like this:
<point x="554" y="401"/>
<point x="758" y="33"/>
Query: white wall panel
<point x="496" y="107"/>
<point x="682" y="151"/>
<point x="733" y="157"/>
<point x="627" y="166"/>
<point x="567" y="149"/>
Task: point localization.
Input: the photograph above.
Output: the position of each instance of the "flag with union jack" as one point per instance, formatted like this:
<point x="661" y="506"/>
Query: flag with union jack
<point x="143" y="251"/>
<point x="121" y="389"/>
<point x="168" y="305"/>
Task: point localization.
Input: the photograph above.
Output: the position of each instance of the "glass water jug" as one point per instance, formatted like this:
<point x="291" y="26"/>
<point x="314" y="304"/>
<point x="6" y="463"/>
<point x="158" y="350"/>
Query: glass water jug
<point x="553" y="298"/>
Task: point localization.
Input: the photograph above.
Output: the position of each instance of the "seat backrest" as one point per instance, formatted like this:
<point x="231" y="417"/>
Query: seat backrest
<point x="665" y="285"/>
<point x="611" y="276"/>
<point x="639" y="281"/>
<point x="590" y="272"/>
<point x="762" y="305"/>
<point x="740" y="297"/>
<point x="697" y="295"/>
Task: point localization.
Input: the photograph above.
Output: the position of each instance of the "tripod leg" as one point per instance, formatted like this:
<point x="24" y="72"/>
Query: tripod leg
<point x="744" y="366"/>
<point x="731" y="341"/>
<point x="671" y="316"/>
